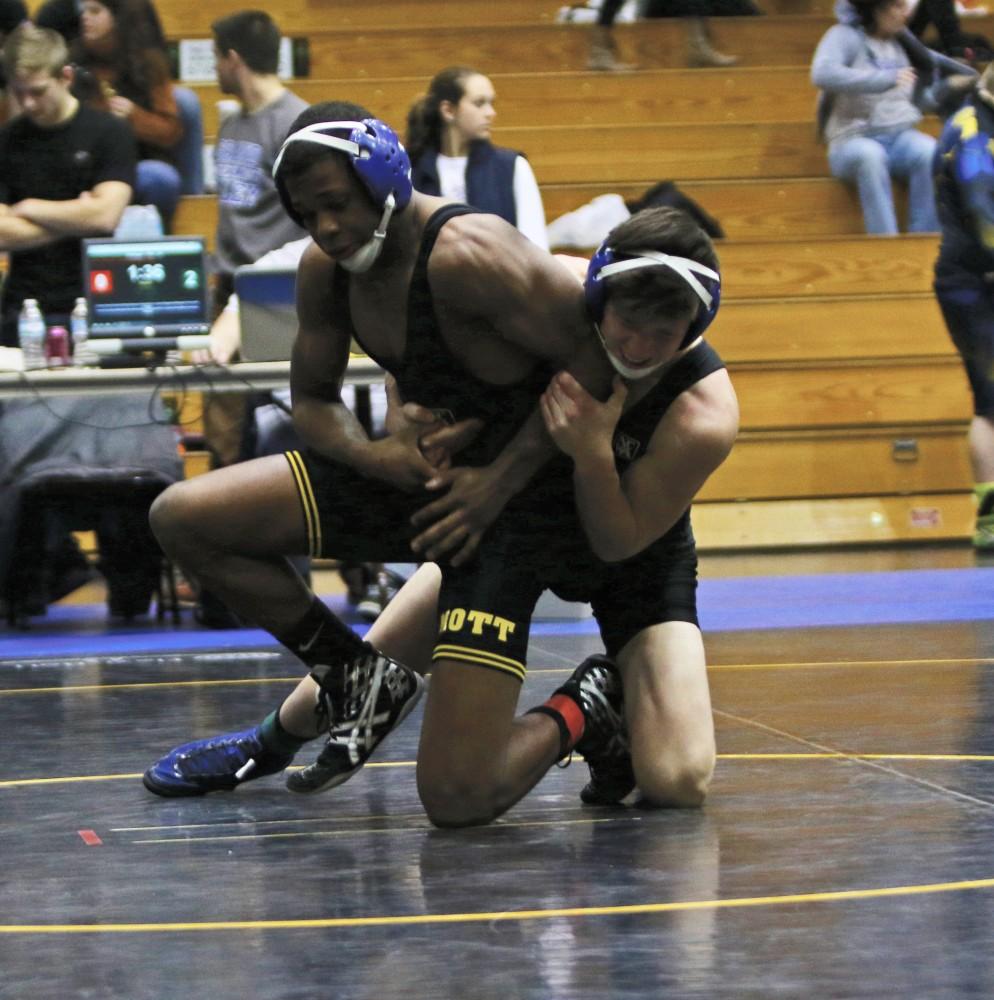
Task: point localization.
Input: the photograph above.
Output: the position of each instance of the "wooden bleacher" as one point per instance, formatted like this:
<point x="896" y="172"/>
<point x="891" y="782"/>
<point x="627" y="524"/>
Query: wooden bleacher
<point x="854" y="404"/>
<point x="762" y="209"/>
<point x="376" y="52"/>
<point x="182" y="17"/>
<point x="751" y="94"/>
<point x="623" y="154"/>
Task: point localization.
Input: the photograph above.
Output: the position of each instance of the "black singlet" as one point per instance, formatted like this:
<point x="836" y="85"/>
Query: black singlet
<point x="429" y="373"/>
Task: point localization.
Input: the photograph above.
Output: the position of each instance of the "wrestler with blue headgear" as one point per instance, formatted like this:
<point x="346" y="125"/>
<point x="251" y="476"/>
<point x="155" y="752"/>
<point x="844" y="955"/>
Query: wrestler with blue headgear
<point x="375" y="154"/>
<point x="693" y="281"/>
<point x="470" y="319"/>
<point x="609" y="523"/>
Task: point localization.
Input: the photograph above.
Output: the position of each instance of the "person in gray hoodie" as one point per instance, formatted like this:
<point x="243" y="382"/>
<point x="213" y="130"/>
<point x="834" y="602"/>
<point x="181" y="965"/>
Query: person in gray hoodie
<point x="876" y="80"/>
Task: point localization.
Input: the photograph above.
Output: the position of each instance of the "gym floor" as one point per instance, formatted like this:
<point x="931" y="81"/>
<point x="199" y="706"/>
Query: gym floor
<point x="845" y="849"/>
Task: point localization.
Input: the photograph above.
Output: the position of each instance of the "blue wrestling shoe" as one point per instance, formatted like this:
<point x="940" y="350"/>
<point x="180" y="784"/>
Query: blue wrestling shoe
<point x="219" y="763"/>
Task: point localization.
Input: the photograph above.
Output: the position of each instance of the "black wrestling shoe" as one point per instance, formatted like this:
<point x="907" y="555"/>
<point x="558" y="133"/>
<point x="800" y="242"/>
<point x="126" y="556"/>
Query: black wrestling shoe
<point x="364" y="702"/>
<point x="596" y="687"/>
<point x="333" y="766"/>
<point x="612" y="779"/>
<point x="378" y="594"/>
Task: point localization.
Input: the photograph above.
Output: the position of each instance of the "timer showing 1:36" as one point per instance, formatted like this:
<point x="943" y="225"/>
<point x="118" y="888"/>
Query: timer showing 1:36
<point x="146" y="274"/>
<point x="155" y="274"/>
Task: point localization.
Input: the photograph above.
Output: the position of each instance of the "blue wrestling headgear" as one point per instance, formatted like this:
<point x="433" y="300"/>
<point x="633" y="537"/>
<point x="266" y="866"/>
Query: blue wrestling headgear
<point x="705" y="282"/>
<point x="380" y="161"/>
<point x="375" y="151"/>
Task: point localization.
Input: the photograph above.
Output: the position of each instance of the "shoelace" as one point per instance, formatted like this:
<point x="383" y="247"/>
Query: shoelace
<point x="367" y="714"/>
<point x="203" y="762"/>
<point x="600" y="705"/>
<point x="324" y="706"/>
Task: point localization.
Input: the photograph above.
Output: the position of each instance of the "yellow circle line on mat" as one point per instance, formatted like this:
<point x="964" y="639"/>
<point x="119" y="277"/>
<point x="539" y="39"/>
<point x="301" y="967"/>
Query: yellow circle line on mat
<point x="794" y="899"/>
<point x="965" y="661"/>
<point x="923" y="757"/>
<point x="84" y="688"/>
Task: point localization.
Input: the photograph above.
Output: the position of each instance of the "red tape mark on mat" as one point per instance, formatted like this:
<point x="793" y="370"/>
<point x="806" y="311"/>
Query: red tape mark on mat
<point x="90" y="838"/>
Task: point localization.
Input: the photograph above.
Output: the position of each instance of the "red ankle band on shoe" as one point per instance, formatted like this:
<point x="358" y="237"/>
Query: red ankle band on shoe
<point x="571" y="713"/>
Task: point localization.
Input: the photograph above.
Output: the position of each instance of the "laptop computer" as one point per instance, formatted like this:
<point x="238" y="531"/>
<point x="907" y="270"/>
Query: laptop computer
<point x="146" y="288"/>
<point x="267" y="309"/>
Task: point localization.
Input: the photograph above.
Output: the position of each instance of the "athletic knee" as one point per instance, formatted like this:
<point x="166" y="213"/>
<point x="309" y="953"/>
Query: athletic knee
<point x="455" y="806"/>
<point x="453" y="800"/>
<point x="173" y="516"/>
<point x="680" y="783"/>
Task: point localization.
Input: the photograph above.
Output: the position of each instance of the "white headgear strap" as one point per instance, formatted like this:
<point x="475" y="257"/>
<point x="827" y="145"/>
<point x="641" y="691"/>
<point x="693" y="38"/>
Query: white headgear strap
<point x="683" y="266"/>
<point x="316" y="134"/>
<point x="626" y="371"/>
<point x="364" y="258"/>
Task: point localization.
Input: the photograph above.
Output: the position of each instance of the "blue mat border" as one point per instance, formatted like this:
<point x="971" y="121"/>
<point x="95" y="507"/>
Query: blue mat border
<point x="726" y="605"/>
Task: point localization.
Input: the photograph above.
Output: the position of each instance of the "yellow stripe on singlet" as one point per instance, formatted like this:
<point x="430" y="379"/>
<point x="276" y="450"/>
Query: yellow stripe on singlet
<point x="312" y="519"/>
<point x="444" y="651"/>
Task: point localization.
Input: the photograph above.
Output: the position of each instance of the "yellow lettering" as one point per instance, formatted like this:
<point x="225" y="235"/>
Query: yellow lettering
<point x="455" y="618"/>
<point x="504" y="626"/>
<point x="478" y="619"/>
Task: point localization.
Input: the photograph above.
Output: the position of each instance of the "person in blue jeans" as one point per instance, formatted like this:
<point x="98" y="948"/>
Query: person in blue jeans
<point x="123" y="67"/>
<point x="875" y="87"/>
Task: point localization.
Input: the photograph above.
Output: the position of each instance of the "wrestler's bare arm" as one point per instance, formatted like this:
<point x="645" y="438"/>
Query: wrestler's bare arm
<point x="317" y="370"/>
<point x="515" y="306"/>
<point x="622" y="516"/>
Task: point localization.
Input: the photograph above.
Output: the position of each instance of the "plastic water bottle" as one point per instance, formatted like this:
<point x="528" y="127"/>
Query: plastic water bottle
<point x="31" y="335"/>
<point x="79" y="330"/>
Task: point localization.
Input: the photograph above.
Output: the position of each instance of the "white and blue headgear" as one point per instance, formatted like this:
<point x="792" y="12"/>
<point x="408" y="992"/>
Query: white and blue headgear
<point x="379" y="160"/>
<point x="705" y="282"/>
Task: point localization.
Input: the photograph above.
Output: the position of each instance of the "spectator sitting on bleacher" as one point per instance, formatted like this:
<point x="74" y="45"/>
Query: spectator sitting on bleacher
<point x="66" y="172"/>
<point x="63" y="16"/>
<point x="251" y="220"/>
<point x="951" y="39"/>
<point x="875" y="79"/>
<point x="448" y="141"/>
<point x="123" y="68"/>
<point x="12" y="13"/>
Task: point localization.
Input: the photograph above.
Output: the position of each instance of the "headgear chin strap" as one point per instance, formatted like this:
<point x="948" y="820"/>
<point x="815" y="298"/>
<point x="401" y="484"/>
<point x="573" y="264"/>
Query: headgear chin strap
<point x="364" y="258"/>
<point x="625" y="371"/>
<point x="705" y="282"/>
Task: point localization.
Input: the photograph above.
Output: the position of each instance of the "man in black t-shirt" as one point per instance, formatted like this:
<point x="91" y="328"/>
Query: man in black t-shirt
<point x="66" y="172"/>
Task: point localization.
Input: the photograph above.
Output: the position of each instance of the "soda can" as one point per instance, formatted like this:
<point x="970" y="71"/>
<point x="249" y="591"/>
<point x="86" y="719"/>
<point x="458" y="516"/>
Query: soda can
<point x="57" y="347"/>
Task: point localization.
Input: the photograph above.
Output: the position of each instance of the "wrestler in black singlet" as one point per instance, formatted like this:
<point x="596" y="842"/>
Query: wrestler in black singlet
<point x="350" y="516"/>
<point x="429" y="374"/>
<point x="539" y="543"/>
